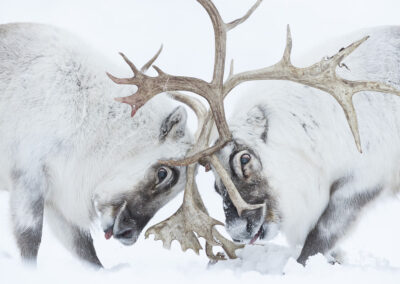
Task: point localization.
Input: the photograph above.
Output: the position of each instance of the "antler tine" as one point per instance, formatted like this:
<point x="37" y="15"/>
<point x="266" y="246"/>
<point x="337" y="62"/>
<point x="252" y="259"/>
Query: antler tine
<point x="288" y="48"/>
<point x="195" y="157"/>
<point x="220" y="30"/>
<point x="239" y="21"/>
<point x="130" y="63"/>
<point x="146" y="66"/>
<point x="220" y="41"/>
<point x="231" y="67"/>
<point x="321" y="75"/>
<point x="125" y="81"/>
<point x="119" y="81"/>
<point x="344" y="52"/>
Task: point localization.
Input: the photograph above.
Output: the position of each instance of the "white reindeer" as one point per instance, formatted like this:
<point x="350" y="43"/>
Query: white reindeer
<point x="293" y="151"/>
<point x="70" y="151"/>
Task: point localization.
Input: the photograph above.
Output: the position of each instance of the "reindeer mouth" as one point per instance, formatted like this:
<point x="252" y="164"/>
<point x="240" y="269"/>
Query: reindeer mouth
<point x="108" y="233"/>
<point x="259" y="234"/>
<point x="267" y="232"/>
<point x="125" y="228"/>
<point x="126" y="236"/>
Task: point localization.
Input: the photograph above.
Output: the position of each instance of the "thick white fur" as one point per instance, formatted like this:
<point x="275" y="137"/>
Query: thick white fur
<point x="301" y="165"/>
<point x="58" y="117"/>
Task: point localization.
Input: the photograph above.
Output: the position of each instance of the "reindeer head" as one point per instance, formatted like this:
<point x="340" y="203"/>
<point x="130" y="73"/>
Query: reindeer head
<point x="245" y="168"/>
<point x="239" y="166"/>
<point x="138" y="186"/>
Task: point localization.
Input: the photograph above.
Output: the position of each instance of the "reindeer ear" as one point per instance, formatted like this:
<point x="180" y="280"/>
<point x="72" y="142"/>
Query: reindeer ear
<point x="174" y="125"/>
<point x="257" y="122"/>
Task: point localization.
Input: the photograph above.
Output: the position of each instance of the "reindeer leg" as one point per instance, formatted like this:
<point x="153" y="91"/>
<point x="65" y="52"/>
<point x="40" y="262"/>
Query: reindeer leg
<point x="343" y="209"/>
<point x="26" y="206"/>
<point x="75" y="239"/>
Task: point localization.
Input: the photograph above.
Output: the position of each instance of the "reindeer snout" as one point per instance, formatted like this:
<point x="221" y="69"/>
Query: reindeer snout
<point x="125" y="228"/>
<point x="128" y="225"/>
<point x="245" y="227"/>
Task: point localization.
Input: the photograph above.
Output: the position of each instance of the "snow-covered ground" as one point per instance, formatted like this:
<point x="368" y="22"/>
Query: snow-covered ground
<point x="372" y="256"/>
<point x="138" y="27"/>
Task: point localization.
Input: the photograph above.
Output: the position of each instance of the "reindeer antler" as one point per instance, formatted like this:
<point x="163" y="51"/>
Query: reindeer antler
<point x="321" y="75"/>
<point x="191" y="220"/>
<point x="149" y="86"/>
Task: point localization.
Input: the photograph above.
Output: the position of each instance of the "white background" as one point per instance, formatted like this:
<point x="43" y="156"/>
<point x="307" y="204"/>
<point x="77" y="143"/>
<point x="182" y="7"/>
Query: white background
<point x="138" y="27"/>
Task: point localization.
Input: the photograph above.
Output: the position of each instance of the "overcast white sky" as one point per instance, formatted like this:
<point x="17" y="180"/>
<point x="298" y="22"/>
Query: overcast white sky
<point x="138" y="27"/>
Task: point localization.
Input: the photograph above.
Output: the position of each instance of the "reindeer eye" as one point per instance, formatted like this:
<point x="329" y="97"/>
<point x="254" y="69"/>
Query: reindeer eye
<point x="165" y="177"/>
<point x="244" y="159"/>
<point x="162" y="174"/>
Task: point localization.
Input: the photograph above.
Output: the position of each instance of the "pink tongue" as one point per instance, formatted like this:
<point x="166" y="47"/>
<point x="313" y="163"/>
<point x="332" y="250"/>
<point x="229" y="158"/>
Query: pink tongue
<point x="254" y="239"/>
<point x="108" y="234"/>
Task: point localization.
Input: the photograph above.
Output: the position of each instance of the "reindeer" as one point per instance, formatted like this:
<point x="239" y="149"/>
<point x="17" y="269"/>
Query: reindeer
<point x="70" y="151"/>
<point x="293" y="166"/>
<point x="292" y="150"/>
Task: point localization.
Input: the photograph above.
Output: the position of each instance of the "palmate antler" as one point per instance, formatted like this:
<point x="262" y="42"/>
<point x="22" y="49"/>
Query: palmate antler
<point x="191" y="220"/>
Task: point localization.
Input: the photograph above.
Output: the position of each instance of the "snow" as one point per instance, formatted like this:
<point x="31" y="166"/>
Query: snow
<point x="137" y="28"/>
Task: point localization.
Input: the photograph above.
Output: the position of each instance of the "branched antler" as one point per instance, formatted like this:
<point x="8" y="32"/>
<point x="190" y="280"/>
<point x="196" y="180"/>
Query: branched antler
<point x="149" y="86"/>
<point x="193" y="212"/>
<point x="192" y="220"/>
<point x="321" y="75"/>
